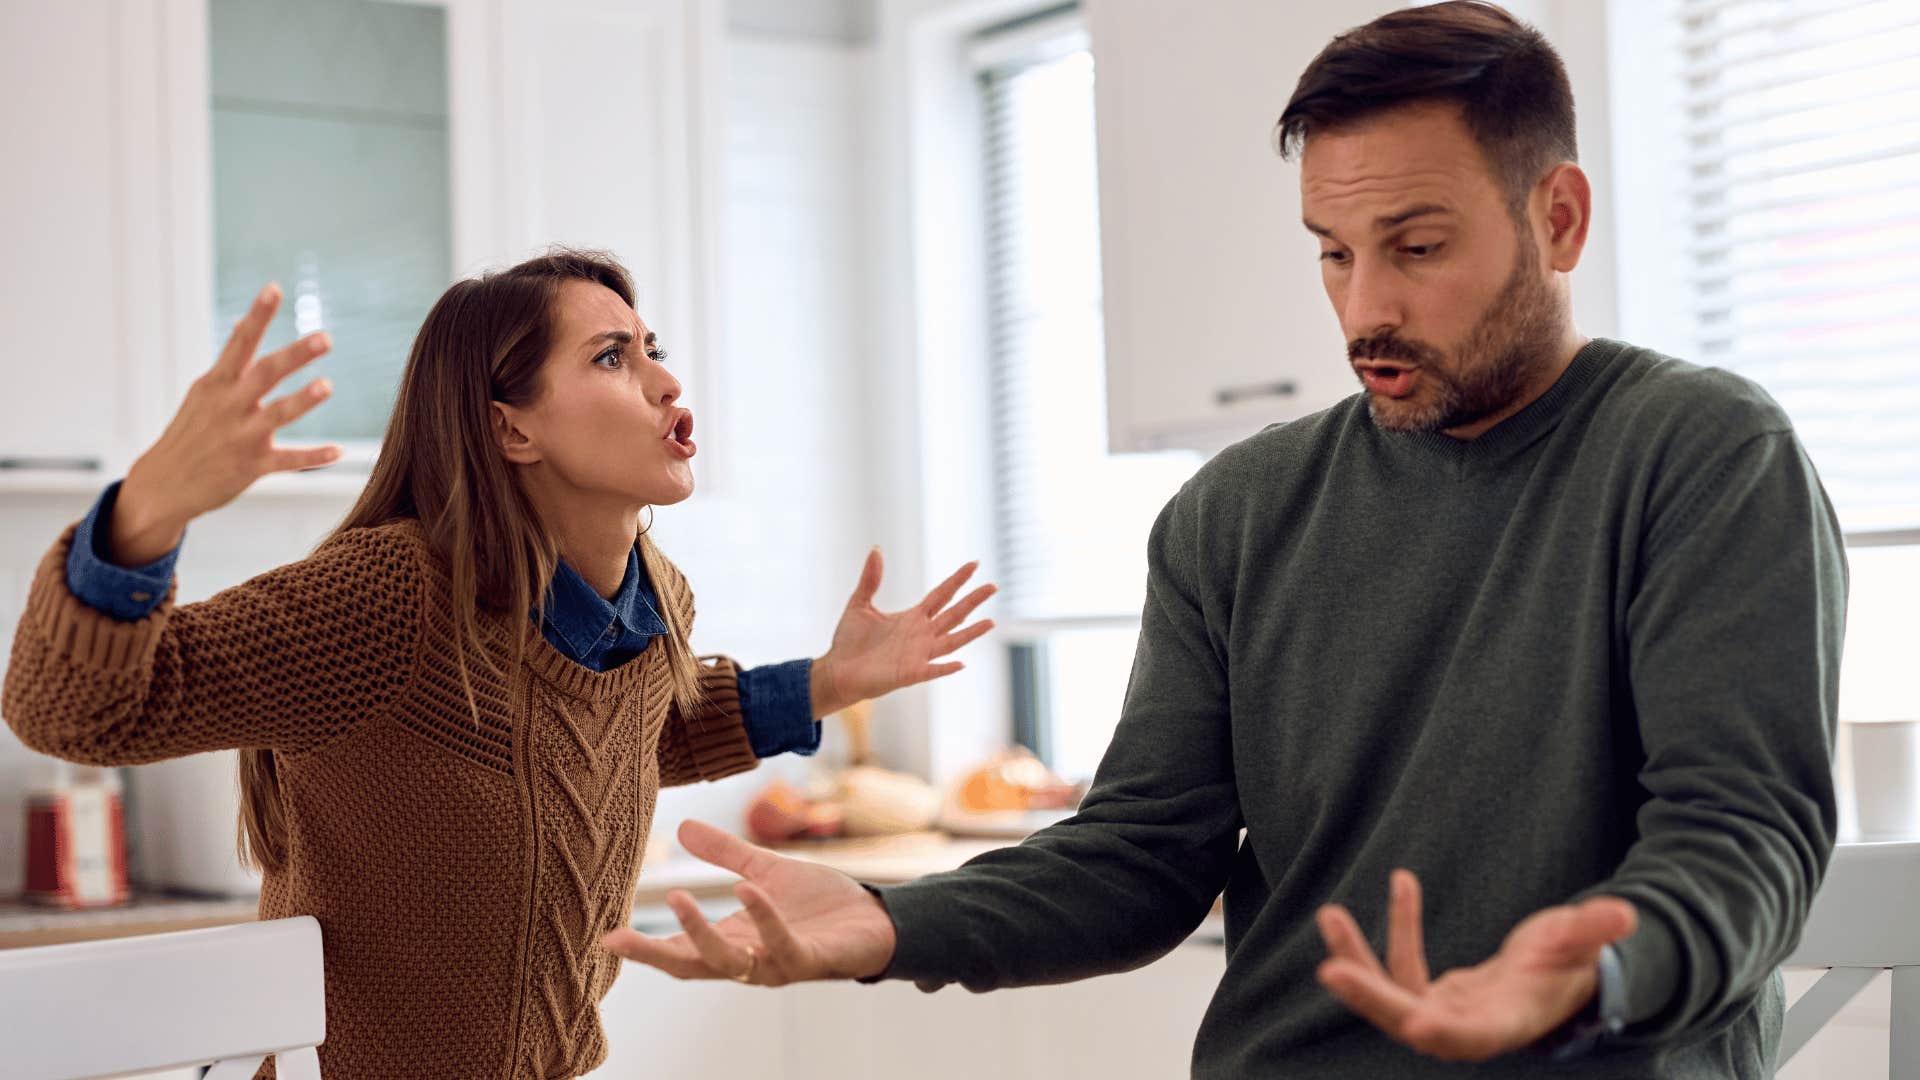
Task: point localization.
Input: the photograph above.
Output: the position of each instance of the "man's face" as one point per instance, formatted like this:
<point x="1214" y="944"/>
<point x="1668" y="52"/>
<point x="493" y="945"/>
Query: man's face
<point x="1449" y="313"/>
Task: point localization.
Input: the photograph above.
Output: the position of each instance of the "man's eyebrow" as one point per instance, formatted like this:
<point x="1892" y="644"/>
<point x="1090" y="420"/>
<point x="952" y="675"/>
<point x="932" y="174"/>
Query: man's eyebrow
<point x="1388" y="221"/>
<point x="1385" y="221"/>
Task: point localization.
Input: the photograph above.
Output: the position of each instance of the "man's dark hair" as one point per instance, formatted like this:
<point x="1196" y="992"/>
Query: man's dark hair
<point x="1509" y="83"/>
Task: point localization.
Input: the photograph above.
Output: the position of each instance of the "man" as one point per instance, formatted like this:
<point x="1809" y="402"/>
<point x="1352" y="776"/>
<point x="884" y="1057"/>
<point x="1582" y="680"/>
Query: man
<point x="1545" y="628"/>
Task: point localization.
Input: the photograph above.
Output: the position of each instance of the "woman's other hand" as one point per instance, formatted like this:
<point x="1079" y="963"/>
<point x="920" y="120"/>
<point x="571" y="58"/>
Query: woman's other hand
<point x="876" y="652"/>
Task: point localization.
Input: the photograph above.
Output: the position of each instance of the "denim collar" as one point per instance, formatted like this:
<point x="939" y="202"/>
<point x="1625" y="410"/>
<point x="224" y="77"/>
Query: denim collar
<point x="582" y="617"/>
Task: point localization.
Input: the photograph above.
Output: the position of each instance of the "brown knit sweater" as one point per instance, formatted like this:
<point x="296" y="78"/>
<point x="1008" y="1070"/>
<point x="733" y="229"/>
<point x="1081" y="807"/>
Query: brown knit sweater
<point x="462" y="873"/>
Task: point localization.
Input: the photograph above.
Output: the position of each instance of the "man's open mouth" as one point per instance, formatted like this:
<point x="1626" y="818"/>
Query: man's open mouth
<point x="1387" y="378"/>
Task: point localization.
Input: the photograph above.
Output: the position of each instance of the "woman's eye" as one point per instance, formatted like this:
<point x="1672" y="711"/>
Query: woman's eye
<point x="612" y="354"/>
<point x="659" y="355"/>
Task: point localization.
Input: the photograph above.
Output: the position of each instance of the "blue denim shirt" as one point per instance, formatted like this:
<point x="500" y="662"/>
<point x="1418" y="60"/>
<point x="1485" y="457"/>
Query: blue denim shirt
<point x="776" y="701"/>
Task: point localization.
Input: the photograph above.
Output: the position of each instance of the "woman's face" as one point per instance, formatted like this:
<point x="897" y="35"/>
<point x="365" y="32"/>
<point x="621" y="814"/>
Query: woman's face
<point x="607" y="422"/>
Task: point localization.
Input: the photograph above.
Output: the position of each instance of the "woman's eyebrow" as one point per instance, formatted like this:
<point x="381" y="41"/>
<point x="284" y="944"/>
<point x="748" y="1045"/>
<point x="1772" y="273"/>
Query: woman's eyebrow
<point x="622" y="337"/>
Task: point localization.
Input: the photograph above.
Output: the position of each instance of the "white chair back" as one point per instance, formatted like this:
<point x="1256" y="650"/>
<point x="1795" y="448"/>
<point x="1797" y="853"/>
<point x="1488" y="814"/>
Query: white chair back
<point x="226" y="997"/>
<point x="1865" y="920"/>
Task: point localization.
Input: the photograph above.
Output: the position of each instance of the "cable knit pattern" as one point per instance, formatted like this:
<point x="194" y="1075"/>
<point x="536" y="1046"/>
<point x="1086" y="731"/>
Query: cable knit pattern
<point x="462" y="868"/>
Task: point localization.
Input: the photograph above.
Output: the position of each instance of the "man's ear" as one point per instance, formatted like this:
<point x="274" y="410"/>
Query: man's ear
<point x="515" y="444"/>
<point x="1569" y="198"/>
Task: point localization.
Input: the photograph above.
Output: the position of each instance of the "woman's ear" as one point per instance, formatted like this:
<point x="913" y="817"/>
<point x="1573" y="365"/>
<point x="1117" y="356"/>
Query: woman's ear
<point x="515" y="444"/>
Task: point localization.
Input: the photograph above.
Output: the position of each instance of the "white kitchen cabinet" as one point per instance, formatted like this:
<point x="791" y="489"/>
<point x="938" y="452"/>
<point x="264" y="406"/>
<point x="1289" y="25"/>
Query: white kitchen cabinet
<point x="59" y="243"/>
<point x="87" y="290"/>
<point x="1140" y="1024"/>
<point x="587" y="122"/>
<point x="1216" y="321"/>
<point x="1213" y="297"/>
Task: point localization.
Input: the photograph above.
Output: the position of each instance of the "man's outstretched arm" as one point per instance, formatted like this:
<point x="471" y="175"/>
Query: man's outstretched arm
<point x="1121" y="883"/>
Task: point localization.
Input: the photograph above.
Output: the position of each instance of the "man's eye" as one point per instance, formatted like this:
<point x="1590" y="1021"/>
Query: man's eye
<point x="1420" y="251"/>
<point x="1335" y="257"/>
<point x="613" y="354"/>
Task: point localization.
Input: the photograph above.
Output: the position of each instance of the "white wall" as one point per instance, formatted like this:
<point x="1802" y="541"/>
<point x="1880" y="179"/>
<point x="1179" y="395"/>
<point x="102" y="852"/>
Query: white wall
<point x="774" y="561"/>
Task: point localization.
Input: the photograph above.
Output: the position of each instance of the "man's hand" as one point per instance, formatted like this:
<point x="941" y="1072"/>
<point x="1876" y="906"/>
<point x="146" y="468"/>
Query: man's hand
<point x="1545" y="972"/>
<point x="875" y="653"/>
<point x="802" y="921"/>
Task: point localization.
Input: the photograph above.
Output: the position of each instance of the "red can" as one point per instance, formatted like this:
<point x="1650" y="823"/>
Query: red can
<point x="76" y="848"/>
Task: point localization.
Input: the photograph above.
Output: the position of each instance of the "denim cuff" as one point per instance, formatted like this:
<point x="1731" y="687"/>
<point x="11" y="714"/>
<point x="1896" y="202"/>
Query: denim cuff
<point x="126" y="593"/>
<point x="776" y="707"/>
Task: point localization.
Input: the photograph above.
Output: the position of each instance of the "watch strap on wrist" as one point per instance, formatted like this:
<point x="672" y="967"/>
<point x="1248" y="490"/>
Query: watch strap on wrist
<point x="1604" y="1016"/>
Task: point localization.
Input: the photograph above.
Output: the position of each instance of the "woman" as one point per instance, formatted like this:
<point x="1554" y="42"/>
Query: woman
<point x="454" y="717"/>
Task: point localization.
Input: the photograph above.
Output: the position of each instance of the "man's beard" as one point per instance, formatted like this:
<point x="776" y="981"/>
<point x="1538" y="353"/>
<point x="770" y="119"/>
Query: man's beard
<point x="1511" y="343"/>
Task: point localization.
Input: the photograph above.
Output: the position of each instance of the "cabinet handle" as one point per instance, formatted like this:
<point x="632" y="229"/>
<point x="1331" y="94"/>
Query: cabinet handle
<point x="1234" y="395"/>
<point x="51" y="464"/>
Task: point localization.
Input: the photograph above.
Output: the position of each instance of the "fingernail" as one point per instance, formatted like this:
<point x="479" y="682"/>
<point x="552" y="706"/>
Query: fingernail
<point x="321" y="342"/>
<point x="322" y="387"/>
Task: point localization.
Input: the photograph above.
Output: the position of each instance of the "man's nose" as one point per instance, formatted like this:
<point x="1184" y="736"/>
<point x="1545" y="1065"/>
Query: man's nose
<point x="1372" y="304"/>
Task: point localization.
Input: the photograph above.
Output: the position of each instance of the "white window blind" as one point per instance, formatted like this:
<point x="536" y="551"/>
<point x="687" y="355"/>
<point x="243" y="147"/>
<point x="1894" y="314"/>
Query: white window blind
<point x="1801" y="161"/>
<point x="1072" y="519"/>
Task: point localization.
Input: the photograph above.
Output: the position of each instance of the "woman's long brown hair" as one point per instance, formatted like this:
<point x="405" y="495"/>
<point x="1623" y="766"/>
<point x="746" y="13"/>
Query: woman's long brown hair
<point x="486" y="340"/>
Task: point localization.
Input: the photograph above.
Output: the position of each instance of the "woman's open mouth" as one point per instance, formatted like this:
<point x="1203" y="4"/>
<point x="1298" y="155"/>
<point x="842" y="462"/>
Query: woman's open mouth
<point x="680" y="436"/>
<point x="1387" y="378"/>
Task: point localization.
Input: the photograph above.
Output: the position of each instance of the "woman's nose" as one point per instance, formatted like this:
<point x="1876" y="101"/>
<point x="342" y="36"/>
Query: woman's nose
<point x="669" y="388"/>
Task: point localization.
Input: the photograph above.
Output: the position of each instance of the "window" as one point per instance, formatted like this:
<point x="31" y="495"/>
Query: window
<point x="1072" y="519"/>
<point x="331" y="176"/>
<point x="1800" y="146"/>
<point x="1768" y="175"/>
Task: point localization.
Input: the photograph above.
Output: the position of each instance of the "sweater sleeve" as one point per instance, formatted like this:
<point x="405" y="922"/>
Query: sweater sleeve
<point x="708" y="742"/>
<point x="1734" y="635"/>
<point x="1131" y="875"/>
<point x="285" y="661"/>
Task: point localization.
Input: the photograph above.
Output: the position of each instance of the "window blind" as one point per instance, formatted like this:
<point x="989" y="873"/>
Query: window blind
<point x="1801" y="130"/>
<point x="1072" y="520"/>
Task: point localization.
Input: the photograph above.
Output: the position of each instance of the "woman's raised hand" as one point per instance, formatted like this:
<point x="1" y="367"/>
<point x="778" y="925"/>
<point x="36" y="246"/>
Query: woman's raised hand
<point x="221" y="440"/>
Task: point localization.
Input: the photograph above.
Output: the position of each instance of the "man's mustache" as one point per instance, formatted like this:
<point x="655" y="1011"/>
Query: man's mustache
<point x="1389" y="347"/>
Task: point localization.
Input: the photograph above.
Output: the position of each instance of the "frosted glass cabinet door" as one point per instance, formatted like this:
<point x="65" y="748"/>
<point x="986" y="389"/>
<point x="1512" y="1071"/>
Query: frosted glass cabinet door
<point x="331" y="175"/>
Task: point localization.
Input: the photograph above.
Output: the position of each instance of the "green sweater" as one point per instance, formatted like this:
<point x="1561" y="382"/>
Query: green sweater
<point x="1592" y="651"/>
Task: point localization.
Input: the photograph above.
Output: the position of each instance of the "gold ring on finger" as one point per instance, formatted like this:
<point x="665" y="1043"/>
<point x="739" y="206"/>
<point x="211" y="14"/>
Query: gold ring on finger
<point x="753" y="959"/>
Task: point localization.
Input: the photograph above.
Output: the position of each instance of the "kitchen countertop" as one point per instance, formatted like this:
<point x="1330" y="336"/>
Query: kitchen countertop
<point x="881" y="860"/>
<point x="23" y="923"/>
